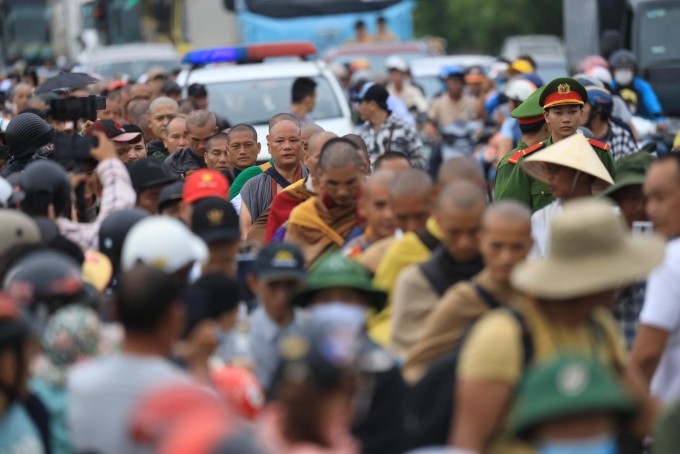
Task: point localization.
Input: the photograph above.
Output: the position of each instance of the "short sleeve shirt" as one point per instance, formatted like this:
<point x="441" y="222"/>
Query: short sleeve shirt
<point x="445" y="110"/>
<point x="662" y="310"/>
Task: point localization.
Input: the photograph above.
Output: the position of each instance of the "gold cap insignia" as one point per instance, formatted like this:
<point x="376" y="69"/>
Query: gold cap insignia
<point x="294" y="347"/>
<point x="284" y="259"/>
<point x="206" y="177"/>
<point x="563" y="89"/>
<point x="215" y="216"/>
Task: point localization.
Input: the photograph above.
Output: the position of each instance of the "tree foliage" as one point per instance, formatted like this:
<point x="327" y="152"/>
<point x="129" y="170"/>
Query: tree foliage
<point x="482" y="25"/>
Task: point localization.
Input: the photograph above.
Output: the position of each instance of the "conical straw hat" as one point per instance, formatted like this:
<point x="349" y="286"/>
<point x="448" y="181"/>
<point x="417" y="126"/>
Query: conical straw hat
<point x="574" y="152"/>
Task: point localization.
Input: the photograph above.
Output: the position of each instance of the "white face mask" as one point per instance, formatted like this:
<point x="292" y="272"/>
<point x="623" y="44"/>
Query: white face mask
<point x="623" y="76"/>
<point x="339" y="313"/>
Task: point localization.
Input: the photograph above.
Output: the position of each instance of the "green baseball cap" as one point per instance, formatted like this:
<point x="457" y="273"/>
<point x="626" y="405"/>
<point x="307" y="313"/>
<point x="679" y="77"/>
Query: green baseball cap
<point x="530" y="109"/>
<point x="568" y="386"/>
<point x="336" y="271"/>
<point x="630" y="170"/>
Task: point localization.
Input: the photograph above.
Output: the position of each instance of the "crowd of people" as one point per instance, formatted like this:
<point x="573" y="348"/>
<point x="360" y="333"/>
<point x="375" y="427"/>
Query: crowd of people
<point x="166" y="292"/>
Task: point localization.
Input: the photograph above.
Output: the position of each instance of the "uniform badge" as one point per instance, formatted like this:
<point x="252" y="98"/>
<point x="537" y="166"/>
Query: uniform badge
<point x="563" y="89"/>
<point x="573" y="380"/>
<point x="215" y="216"/>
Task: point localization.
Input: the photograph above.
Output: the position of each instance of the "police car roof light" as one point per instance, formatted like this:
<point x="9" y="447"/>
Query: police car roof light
<point x="249" y="53"/>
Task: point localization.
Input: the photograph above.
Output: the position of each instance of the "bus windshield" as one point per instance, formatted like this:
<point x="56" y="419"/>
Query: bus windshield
<point x="659" y="34"/>
<point x="256" y="101"/>
<point x="298" y="8"/>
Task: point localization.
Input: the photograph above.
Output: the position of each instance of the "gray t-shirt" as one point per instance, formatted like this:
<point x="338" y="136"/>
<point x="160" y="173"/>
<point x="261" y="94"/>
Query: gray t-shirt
<point x="103" y="394"/>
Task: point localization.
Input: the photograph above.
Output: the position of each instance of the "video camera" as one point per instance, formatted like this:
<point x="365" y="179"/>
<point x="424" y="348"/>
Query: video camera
<point x="72" y="152"/>
<point x="73" y="109"/>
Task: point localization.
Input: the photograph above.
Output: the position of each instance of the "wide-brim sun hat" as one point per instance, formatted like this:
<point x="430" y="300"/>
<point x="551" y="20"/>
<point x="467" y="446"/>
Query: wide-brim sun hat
<point x="591" y="250"/>
<point x="574" y="152"/>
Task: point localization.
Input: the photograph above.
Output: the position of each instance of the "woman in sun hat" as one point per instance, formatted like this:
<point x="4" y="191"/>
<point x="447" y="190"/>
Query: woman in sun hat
<point x="571" y="168"/>
<point x="565" y="308"/>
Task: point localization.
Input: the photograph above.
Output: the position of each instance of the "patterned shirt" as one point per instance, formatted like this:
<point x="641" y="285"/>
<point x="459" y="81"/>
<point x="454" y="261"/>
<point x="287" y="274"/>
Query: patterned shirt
<point x="394" y="135"/>
<point x="627" y="311"/>
<point x="621" y="141"/>
<point x="117" y="194"/>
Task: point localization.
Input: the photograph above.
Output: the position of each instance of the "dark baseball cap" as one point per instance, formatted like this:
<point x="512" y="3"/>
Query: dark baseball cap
<point x="280" y="261"/>
<point x="373" y="92"/>
<point x="215" y="219"/>
<point x="171" y="87"/>
<point x="169" y="194"/>
<point x="197" y="91"/>
<point x="113" y="130"/>
<point x="147" y="173"/>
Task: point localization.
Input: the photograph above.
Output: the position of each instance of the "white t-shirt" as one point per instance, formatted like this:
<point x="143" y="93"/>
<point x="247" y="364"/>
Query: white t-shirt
<point x="540" y="228"/>
<point x="662" y="310"/>
<point x="102" y="395"/>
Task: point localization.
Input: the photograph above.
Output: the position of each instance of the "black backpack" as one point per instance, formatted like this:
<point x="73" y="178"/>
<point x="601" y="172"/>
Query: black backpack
<point x="430" y="402"/>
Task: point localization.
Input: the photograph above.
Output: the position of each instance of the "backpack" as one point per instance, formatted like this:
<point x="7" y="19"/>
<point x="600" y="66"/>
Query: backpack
<point x="430" y="402"/>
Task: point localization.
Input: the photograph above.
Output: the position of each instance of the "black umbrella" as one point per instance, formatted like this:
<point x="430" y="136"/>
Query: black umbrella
<point x="65" y="81"/>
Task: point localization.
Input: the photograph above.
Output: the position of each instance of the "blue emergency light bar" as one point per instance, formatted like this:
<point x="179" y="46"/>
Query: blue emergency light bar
<point x="249" y="53"/>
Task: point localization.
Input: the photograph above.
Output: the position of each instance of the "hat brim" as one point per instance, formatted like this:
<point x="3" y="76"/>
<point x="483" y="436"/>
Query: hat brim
<point x="126" y="137"/>
<point x="554" y="278"/>
<point x="377" y="299"/>
<point x="219" y="234"/>
<point x="538" y="170"/>
<point x="160" y="181"/>
<point x="282" y="275"/>
<point x="540" y="411"/>
<point x="628" y="180"/>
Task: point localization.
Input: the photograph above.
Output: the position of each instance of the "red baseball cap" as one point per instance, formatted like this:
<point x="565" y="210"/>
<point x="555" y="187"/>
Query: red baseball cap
<point x="205" y="183"/>
<point x="113" y="131"/>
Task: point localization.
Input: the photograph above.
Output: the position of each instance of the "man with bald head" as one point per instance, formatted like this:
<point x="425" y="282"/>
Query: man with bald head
<point x="504" y="241"/>
<point x="374" y="207"/>
<point x="255" y="170"/>
<point x="298" y="192"/>
<point x="322" y="224"/>
<point x="458" y="214"/>
<point x="161" y="111"/>
<point x="307" y="131"/>
<point x="21" y="93"/>
<point x="200" y="125"/>
<point x="416" y="246"/>
<point x="285" y="146"/>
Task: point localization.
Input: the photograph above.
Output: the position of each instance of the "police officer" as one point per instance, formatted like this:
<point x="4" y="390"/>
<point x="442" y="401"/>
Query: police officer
<point x="562" y="102"/>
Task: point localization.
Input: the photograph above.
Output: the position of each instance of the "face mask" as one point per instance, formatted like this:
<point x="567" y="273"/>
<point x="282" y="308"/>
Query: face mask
<point x="339" y="313"/>
<point x="623" y="76"/>
<point x="605" y="444"/>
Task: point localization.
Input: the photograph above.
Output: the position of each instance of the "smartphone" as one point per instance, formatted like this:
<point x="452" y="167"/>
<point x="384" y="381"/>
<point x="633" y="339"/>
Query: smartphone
<point x="643" y="228"/>
<point x="73" y="109"/>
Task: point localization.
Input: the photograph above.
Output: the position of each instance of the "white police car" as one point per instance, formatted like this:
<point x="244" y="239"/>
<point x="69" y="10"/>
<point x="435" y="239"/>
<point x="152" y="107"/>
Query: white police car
<point x="254" y="92"/>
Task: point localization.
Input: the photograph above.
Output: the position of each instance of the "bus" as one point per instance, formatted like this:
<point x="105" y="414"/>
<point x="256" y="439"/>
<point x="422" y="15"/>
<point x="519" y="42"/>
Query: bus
<point x="326" y="23"/>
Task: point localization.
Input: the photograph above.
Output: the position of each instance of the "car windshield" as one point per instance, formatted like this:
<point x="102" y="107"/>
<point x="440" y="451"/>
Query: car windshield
<point x="430" y="84"/>
<point x="377" y="62"/>
<point x="132" y="69"/>
<point x="548" y="71"/>
<point x="256" y="101"/>
<point x="659" y="33"/>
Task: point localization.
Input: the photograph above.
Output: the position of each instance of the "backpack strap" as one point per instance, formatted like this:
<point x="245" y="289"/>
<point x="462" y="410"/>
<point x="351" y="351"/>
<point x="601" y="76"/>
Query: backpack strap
<point x="429" y="240"/>
<point x="276" y="176"/>
<point x="486" y="296"/>
<point x="527" y="339"/>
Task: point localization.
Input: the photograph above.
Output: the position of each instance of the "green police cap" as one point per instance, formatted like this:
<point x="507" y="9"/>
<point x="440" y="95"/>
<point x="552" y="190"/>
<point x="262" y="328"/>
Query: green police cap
<point x="568" y="386"/>
<point x="563" y="91"/>
<point x="530" y="111"/>
<point x="630" y="170"/>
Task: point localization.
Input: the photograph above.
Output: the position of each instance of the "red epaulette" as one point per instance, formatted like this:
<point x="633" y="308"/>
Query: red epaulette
<point x="514" y="159"/>
<point x="600" y="145"/>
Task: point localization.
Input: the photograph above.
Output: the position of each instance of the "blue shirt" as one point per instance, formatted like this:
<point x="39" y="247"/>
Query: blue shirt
<point x="18" y="433"/>
<point x="648" y="103"/>
<point x="265" y="334"/>
<point x="54" y="399"/>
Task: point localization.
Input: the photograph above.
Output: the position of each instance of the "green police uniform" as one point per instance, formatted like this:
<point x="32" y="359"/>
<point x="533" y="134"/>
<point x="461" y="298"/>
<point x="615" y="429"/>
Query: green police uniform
<point x="511" y="181"/>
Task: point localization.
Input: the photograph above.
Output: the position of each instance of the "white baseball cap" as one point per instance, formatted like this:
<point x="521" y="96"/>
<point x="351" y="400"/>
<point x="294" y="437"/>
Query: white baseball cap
<point x="396" y="62"/>
<point x="162" y="242"/>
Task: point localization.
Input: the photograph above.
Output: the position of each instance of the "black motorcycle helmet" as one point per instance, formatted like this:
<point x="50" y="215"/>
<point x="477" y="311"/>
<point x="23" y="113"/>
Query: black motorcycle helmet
<point x="114" y="229"/>
<point x="44" y="281"/>
<point x="26" y="133"/>
<point x="44" y="183"/>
